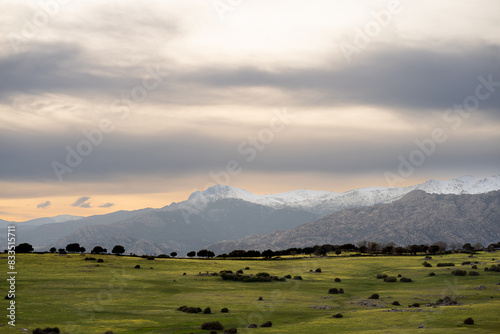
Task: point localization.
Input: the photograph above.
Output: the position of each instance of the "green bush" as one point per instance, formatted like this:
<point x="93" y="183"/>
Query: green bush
<point x="405" y="280"/>
<point x="469" y="321"/>
<point x="427" y="264"/>
<point x="446" y="264"/>
<point x="390" y="279"/>
<point x="459" y="272"/>
<point x="333" y="291"/>
<point x="374" y="296"/>
<point x="212" y="325"/>
<point x="381" y="276"/>
<point x="337" y="280"/>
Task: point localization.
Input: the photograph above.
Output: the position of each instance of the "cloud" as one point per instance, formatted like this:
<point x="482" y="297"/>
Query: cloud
<point x="85" y="205"/>
<point x="81" y="202"/>
<point x="43" y="205"/>
<point x="106" y="205"/>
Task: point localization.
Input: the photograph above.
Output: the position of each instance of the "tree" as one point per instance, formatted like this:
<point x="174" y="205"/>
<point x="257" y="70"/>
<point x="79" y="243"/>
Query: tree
<point x="191" y="253"/>
<point x="173" y="254"/>
<point x="268" y="254"/>
<point x="24" y="248"/>
<point x="338" y="251"/>
<point x="82" y="250"/>
<point x="73" y="248"/>
<point x="98" y="250"/>
<point x="53" y="250"/>
<point x="433" y="249"/>
<point x="118" y="250"/>
<point x="61" y="251"/>
<point x="478" y="247"/>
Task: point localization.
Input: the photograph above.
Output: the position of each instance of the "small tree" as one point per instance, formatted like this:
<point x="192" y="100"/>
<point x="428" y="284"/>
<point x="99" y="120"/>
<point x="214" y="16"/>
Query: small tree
<point x="118" y="250"/>
<point x="191" y="253"/>
<point x="73" y="248"/>
<point x="53" y="250"/>
<point x="173" y="254"/>
<point x="82" y="250"/>
<point x="97" y="250"/>
<point x="24" y="248"/>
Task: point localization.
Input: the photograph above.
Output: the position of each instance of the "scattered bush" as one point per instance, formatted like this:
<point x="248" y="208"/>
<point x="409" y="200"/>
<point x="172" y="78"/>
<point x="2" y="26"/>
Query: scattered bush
<point x="381" y="276"/>
<point x="469" y="321"/>
<point x="333" y="291"/>
<point x="427" y="264"/>
<point x="473" y="273"/>
<point x="231" y="331"/>
<point x="374" y="296"/>
<point x="396" y="303"/>
<point x="446" y="264"/>
<point x="297" y="278"/>
<point x="90" y="259"/>
<point x="288" y="276"/>
<point x="318" y="270"/>
<point x="207" y="311"/>
<point x="247" y="268"/>
<point x="474" y="267"/>
<point x="150" y="258"/>
<point x="47" y="330"/>
<point x="399" y="275"/>
<point x="337" y="280"/>
<point x="260" y="299"/>
<point x="239" y="272"/>
<point x="494" y="267"/>
<point x="100" y="261"/>
<point x="414" y="305"/>
<point x="432" y="274"/>
<point x="338" y="315"/>
<point x="252" y="326"/>
<point x="163" y="256"/>
<point x="341" y="290"/>
<point x="405" y="280"/>
<point x="186" y="309"/>
<point x="262" y="275"/>
<point x="224" y="310"/>
<point x="137" y="266"/>
<point x="267" y="324"/>
<point x="212" y="325"/>
<point x="390" y="279"/>
<point x="459" y="272"/>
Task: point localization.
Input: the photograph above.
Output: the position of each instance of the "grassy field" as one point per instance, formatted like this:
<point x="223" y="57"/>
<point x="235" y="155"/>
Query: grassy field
<point x="80" y="297"/>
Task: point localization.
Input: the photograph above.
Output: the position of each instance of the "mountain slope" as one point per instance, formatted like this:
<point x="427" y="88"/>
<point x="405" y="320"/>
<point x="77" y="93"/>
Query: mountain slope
<point x="418" y="217"/>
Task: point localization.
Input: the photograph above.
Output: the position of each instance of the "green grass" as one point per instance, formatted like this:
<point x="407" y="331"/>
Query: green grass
<point x="79" y="297"/>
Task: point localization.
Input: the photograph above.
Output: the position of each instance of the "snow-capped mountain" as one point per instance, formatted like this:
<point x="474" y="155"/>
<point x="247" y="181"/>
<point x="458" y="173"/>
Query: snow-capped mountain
<point x="323" y="202"/>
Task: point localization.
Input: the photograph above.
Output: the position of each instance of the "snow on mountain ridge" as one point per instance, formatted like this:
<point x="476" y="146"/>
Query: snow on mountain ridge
<point x="326" y="201"/>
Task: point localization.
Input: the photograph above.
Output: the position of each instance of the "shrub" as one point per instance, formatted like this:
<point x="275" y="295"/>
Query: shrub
<point x="224" y="310"/>
<point x="318" y="270"/>
<point x="186" y="309"/>
<point x="473" y="273"/>
<point x="267" y="324"/>
<point x="446" y="264"/>
<point x="207" y="311"/>
<point x="427" y="264"/>
<point x="150" y="258"/>
<point x="396" y="303"/>
<point x="163" y="256"/>
<point x="333" y="291"/>
<point x="381" y="276"/>
<point x="341" y="290"/>
<point x="288" y="276"/>
<point x="405" y="280"/>
<point x="338" y="315"/>
<point x="137" y="266"/>
<point x="231" y="331"/>
<point x="239" y="272"/>
<point x="374" y="296"/>
<point x="247" y="268"/>
<point x="469" y="321"/>
<point x="390" y="279"/>
<point x="432" y="274"/>
<point x="260" y="299"/>
<point x="47" y="330"/>
<point x="474" y="267"/>
<point x="100" y="261"/>
<point x="262" y="275"/>
<point x="337" y="280"/>
<point x="90" y="259"/>
<point x="414" y="305"/>
<point x="399" y="275"/>
<point x="297" y="278"/>
<point x="212" y="325"/>
<point x="494" y="267"/>
<point x="252" y="326"/>
<point x="459" y="272"/>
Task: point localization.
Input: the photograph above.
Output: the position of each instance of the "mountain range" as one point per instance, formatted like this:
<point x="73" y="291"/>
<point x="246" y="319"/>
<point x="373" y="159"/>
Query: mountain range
<point x="227" y="213"/>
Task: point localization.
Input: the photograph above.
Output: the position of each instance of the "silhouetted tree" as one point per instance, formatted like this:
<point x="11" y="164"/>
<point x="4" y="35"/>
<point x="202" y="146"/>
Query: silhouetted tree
<point x="73" y="248"/>
<point x="118" y="249"/>
<point x="191" y="253"/>
<point x="98" y="250"/>
<point x="173" y="254"/>
<point x="24" y="248"/>
<point x="268" y="254"/>
<point x="82" y="250"/>
<point x="53" y="250"/>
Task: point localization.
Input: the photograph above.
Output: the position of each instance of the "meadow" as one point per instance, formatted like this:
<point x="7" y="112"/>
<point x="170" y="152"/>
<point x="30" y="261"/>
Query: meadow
<point x="79" y="296"/>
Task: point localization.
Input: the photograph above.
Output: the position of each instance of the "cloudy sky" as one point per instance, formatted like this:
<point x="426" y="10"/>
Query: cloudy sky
<point x="120" y="105"/>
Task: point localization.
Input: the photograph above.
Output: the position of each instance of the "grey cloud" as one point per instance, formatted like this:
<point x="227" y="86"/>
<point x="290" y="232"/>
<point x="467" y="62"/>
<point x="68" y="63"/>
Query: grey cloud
<point x="85" y="205"/>
<point x="81" y="202"/>
<point x="392" y="77"/>
<point x="106" y="205"/>
<point x="43" y="205"/>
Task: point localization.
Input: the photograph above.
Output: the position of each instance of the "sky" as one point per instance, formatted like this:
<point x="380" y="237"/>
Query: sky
<point x="122" y="105"/>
